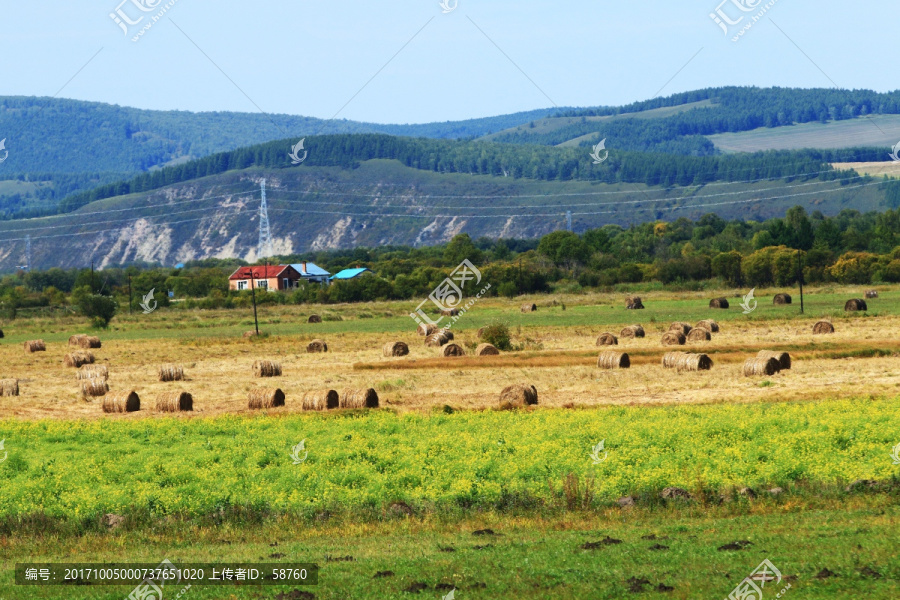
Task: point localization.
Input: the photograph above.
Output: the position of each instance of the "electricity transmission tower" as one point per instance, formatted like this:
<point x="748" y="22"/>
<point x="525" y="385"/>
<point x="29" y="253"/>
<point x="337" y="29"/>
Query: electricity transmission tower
<point x="265" y="234"/>
<point x="28" y="253"/>
<point x="568" y="220"/>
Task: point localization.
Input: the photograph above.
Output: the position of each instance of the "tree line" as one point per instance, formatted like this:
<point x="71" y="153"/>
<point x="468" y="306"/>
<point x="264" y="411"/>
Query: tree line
<point x="849" y="248"/>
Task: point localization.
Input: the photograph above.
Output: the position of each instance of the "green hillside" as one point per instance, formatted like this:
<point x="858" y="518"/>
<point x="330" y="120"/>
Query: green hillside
<point x="70" y="145"/>
<point x="382" y="202"/>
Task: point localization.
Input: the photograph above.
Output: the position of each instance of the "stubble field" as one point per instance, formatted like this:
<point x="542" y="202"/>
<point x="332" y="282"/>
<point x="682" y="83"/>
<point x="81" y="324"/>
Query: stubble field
<point x="436" y="461"/>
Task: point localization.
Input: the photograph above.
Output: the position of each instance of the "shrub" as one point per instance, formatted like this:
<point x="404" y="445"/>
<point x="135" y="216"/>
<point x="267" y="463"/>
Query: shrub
<point x="497" y="334"/>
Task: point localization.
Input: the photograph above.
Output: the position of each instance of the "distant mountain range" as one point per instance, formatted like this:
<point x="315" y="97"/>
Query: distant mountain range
<point x="174" y="186"/>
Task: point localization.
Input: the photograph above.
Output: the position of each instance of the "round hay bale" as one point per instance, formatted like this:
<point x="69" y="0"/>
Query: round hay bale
<point x="449" y="312"/>
<point x="683" y="361"/>
<point x="314" y="319"/>
<point x="869" y="295"/>
<point x="179" y="401"/>
<point x="480" y="332"/>
<point x="317" y="346"/>
<point x="92" y="372"/>
<point x="170" y="372"/>
<point x="632" y="331"/>
<point x="684" y="328"/>
<point x="1" y="334"/>
<point x="266" y="368"/>
<point x="253" y="334"/>
<point x="9" y="387"/>
<point x="699" y="334"/>
<point x="358" y="399"/>
<point x="761" y="366"/>
<point x="392" y="349"/>
<point x="453" y="350"/>
<point x="529" y="308"/>
<point x="94" y="388"/>
<point x="783" y="358"/>
<point x="855" y="304"/>
<point x="782" y="299"/>
<point x="76" y="359"/>
<point x="709" y="324"/>
<point x="35" y="346"/>
<point x="91" y="341"/>
<point x="613" y="360"/>
<point x="633" y="303"/>
<point x="436" y="340"/>
<point x="670" y="359"/>
<point x="486" y="350"/>
<point x="426" y="329"/>
<point x="265" y="398"/>
<point x="823" y="327"/>
<point x="518" y="395"/>
<point x="718" y="303"/>
<point x="121" y="402"/>
<point x="673" y="338"/>
<point x="320" y="400"/>
<point x="607" y="339"/>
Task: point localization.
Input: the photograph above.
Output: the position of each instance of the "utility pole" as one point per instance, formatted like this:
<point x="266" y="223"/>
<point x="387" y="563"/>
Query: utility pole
<point x="28" y="253"/>
<point x="93" y="284"/>
<point x="800" y="277"/>
<point x="253" y="292"/>
<point x="130" y="301"/>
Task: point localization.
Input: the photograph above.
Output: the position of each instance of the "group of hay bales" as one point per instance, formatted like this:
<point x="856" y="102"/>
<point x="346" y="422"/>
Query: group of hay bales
<point x="633" y="303"/>
<point x="316" y="400"/>
<point x="94" y="380"/>
<point x="680" y="333"/>
<point x="767" y="362"/>
<point x="128" y="401"/>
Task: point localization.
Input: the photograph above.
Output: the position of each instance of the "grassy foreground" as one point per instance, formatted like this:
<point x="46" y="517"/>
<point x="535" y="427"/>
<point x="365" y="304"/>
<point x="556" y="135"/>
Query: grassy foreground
<point x="674" y="553"/>
<point x="361" y="462"/>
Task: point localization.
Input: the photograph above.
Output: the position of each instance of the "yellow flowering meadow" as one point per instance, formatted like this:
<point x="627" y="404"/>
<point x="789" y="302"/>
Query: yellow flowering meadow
<point x="196" y="466"/>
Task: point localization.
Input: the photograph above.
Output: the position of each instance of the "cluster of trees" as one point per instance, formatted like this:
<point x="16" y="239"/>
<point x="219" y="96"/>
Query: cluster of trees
<point x="850" y="248"/>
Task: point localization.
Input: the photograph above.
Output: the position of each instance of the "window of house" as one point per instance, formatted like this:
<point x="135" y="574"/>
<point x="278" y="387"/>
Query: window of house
<point x="263" y="283"/>
<point x="287" y="283"/>
<point x="242" y="285"/>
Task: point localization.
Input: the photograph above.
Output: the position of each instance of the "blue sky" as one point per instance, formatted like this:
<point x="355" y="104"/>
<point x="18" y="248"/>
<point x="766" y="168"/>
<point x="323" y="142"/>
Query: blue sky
<point x="480" y="59"/>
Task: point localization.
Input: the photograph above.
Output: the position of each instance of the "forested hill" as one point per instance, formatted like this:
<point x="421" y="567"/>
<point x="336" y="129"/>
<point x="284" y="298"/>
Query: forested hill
<point x="653" y="127"/>
<point x="482" y="158"/>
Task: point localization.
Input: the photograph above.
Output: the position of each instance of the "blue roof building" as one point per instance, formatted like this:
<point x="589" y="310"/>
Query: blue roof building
<point x="350" y="273"/>
<point x="312" y="272"/>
